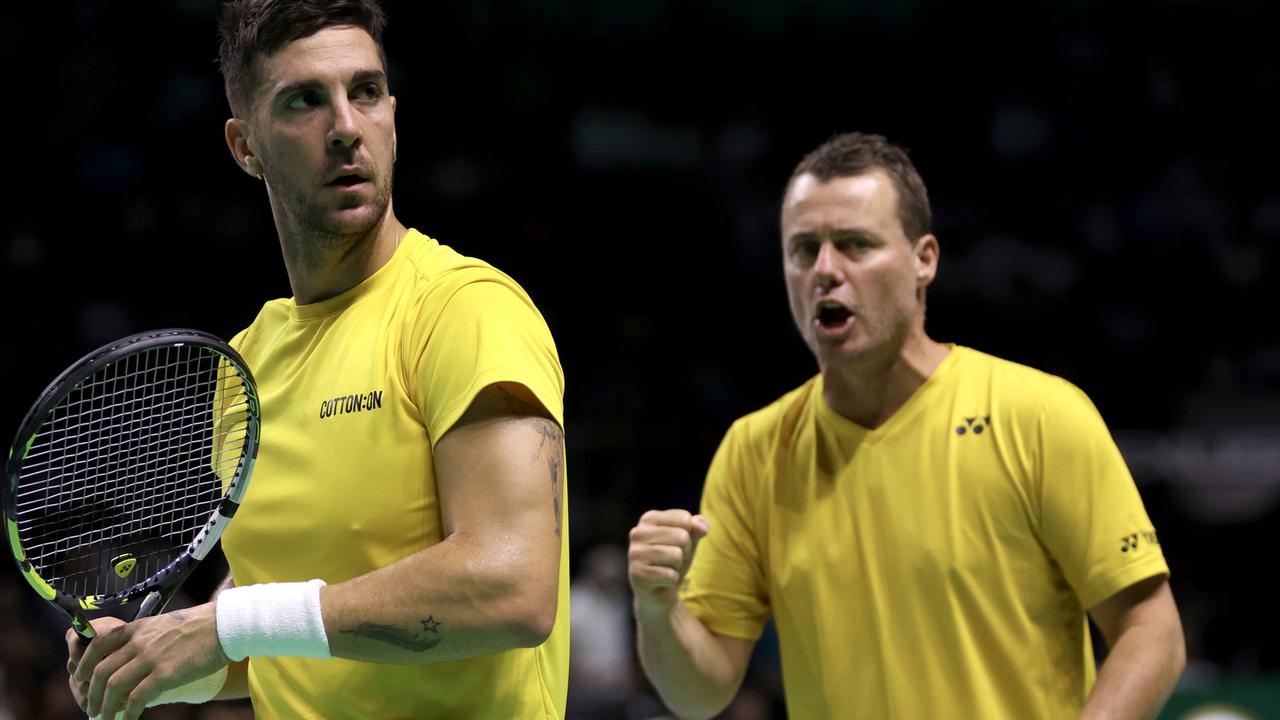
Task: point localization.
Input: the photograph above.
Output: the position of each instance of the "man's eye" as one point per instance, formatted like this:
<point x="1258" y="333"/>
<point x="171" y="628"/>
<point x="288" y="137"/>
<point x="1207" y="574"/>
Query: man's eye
<point x="369" y="91"/>
<point x="854" y="245"/>
<point x="305" y="100"/>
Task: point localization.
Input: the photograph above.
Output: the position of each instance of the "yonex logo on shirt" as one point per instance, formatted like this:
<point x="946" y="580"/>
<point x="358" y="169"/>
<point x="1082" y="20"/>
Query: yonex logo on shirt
<point x="1130" y="542"/>
<point x="371" y="400"/>
<point x="975" y="425"/>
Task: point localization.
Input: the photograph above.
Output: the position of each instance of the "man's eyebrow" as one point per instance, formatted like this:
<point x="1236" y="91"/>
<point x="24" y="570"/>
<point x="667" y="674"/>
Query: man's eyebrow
<point x="358" y="77"/>
<point x="370" y="75"/>
<point x="834" y="233"/>
<point x="853" y="234"/>
<point x="291" y="88"/>
<point x="801" y="236"/>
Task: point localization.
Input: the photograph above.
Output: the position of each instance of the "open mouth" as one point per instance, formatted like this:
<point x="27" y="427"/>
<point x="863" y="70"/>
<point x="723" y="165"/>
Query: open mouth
<point x="833" y="316"/>
<point x="346" y="181"/>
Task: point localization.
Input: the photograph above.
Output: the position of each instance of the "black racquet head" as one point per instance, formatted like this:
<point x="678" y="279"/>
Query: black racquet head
<point x="127" y="469"/>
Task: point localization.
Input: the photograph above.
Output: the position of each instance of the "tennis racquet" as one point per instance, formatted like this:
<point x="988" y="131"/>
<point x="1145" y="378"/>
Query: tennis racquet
<point x="127" y="469"/>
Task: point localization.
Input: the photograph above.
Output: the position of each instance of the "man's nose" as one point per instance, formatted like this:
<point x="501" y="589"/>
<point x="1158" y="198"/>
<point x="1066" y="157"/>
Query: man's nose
<point x="826" y="269"/>
<point x="345" y="131"/>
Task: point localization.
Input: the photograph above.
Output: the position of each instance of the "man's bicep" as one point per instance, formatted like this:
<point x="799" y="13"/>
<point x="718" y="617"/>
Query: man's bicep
<point x="1147" y="602"/>
<point x="500" y="467"/>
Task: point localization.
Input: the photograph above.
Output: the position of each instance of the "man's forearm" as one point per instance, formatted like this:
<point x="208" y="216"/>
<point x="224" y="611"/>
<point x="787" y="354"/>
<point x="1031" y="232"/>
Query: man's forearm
<point x="456" y="599"/>
<point x="687" y="664"/>
<point x="490" y="585"/>
<point x="1138" y="675"/>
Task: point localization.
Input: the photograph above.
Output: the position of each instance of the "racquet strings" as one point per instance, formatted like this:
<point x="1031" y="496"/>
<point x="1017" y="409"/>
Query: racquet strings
<point x="128" y="467"/>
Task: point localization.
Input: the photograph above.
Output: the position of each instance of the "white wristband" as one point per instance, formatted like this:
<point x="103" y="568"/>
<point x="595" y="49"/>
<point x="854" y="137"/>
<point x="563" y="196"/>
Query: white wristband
<point x="279" y="619"/>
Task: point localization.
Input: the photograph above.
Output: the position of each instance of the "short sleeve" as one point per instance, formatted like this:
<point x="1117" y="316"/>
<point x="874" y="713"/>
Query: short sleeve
<point x="488" y="332"/>
<point x="726" y="587"/>
<point x="1092" y="518"/>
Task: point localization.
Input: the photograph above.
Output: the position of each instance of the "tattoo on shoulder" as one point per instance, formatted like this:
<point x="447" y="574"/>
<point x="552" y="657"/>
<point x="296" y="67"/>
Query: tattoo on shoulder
<point x="420" y="639"/>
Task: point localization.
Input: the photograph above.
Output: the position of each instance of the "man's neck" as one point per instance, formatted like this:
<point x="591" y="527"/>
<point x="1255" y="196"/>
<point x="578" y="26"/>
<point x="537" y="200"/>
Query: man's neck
<point x="321" y="268"/>
<point x="870" y="390"/>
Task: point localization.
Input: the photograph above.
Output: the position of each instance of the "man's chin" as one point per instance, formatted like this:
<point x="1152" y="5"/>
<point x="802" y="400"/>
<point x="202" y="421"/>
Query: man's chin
<point x="834" y="355"/>
<point x="349" y="221"/>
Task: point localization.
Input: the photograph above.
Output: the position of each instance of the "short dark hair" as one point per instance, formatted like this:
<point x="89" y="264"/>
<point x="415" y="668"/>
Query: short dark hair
<point x="856" y="153"/>
<point x="250" y="30"/>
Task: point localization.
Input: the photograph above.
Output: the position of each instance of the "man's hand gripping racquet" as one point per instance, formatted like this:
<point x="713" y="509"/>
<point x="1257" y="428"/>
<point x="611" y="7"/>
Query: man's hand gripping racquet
<point x="127" y="469"/>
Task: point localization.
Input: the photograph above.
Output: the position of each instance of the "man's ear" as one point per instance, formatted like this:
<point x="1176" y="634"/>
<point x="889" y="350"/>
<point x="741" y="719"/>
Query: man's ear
<point x="926" y="254"/>
<point x="240" y="143"/>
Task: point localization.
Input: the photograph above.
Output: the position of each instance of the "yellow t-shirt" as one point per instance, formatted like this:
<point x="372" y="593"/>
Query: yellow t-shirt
<point x="356" y="390"/>
<point x="938" y="566"/>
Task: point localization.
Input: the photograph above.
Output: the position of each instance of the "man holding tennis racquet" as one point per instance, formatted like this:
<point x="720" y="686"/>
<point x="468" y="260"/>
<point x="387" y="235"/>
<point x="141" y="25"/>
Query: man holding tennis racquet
<point x="927" y="525"/>
<point x="402" y="551"/>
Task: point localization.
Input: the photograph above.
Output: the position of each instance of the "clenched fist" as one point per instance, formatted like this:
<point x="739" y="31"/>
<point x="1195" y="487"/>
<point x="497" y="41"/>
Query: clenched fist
<point x="661" y="550"/>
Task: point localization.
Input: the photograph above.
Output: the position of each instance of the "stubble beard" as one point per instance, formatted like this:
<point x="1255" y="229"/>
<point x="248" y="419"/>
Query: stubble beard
<point x="875" y="344"/>
<point x="322" y="234"/>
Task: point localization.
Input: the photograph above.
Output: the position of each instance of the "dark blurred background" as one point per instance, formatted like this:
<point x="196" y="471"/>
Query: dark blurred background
<point x="1102" y="178"/>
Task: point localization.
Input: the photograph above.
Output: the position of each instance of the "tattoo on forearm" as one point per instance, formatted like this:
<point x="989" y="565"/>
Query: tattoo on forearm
<point x="420" y="640"/>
